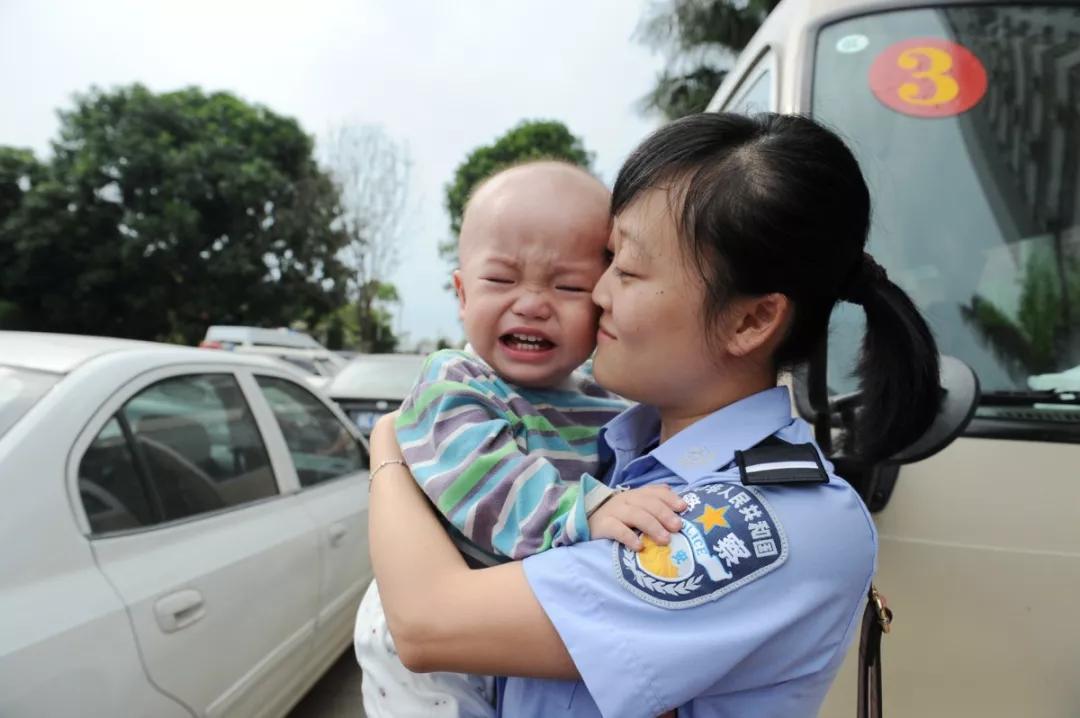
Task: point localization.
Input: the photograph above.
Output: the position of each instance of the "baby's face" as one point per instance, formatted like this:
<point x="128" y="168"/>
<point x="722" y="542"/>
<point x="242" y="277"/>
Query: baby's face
<point x="525" y="287"/>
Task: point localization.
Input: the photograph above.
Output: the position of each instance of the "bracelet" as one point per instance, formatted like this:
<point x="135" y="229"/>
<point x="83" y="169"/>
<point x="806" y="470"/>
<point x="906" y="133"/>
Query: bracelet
<point x="383" y="465"/>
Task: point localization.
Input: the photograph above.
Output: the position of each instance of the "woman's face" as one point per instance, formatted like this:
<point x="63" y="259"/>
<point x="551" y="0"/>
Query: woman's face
<point x="651" y="346"/>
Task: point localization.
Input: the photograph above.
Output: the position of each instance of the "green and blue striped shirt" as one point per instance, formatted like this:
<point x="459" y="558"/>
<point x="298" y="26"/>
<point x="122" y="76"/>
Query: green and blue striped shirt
<point x="510" y="468"/>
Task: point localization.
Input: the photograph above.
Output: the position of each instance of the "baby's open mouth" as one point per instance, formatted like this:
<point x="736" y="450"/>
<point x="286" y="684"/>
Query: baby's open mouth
<point x="526" y="342"/>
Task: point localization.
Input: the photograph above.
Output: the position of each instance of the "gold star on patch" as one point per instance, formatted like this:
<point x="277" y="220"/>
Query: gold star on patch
<point x="711" y="518"/>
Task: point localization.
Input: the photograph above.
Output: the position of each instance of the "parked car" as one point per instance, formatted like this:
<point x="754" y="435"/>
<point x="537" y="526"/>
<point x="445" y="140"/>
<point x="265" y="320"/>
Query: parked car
<point x="315" y="363"/>
<point x="963" y="117"/>
<point x="315" y="366"/>
<point x="185" y="530"/>
<point x="373" y="384"/>
<point x="227" y="337"/>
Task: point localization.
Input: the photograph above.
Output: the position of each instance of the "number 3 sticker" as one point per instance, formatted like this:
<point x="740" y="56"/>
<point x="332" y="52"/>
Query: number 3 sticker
<point x="928" y="77"/>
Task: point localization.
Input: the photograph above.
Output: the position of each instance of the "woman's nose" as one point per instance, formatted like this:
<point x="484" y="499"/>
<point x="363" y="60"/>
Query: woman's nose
<point x="600" y="295"/>
<point x="533" y="305"/>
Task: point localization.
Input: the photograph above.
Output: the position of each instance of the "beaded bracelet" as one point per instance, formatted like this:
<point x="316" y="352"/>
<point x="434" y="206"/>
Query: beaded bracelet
<point x="383" y="465"/>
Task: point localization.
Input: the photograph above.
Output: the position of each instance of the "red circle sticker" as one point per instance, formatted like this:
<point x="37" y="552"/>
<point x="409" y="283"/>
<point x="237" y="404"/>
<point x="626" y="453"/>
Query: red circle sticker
<point x="928" y="77"/>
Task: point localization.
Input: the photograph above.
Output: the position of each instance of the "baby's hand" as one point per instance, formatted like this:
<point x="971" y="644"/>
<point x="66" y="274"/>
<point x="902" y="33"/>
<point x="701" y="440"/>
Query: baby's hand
<point x="651" y="510"/>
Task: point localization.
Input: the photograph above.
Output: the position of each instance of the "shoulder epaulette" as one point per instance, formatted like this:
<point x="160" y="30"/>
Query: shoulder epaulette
<point x="776" y="462"/>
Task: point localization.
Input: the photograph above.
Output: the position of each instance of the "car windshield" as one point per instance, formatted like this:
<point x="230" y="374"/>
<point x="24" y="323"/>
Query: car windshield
<point x="20" y="389"/>
<point x="966" y="121"/>
<point x="378" y="376"/>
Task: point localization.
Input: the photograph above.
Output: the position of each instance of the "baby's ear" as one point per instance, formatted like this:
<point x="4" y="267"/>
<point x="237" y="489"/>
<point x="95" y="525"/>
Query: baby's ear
<point x="459" y="287"/>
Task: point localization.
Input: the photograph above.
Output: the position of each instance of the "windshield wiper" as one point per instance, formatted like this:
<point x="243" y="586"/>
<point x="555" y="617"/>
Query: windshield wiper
<point x="1029" y="397"/>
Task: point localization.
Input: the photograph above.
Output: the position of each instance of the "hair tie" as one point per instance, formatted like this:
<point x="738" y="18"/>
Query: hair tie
<point x="867" y="276"/>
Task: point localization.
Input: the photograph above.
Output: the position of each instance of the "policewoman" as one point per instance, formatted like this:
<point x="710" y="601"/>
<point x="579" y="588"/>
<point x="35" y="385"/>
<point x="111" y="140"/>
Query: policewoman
<point x="732" y="240"/>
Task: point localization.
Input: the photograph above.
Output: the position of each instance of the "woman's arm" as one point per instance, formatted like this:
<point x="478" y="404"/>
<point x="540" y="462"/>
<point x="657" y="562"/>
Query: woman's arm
<point x="443" y="615"/>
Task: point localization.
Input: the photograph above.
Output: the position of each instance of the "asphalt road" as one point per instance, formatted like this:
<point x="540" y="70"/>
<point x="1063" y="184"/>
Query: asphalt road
<point x="336" y="695"/>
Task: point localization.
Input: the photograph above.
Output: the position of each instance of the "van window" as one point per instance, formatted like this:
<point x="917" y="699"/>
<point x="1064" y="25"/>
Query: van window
<point x="977" y="211"/>
<point x="755" y="97"/>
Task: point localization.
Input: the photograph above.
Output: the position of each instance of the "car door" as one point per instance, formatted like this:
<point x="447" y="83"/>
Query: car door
<point x="215" y="561"/>
<point x="331" y="469"/>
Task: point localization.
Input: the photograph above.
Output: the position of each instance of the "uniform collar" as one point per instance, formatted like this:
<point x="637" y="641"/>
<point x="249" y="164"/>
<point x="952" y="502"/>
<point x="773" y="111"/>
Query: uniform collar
<point x="632" y="430"/>
<point x="710" y="443"/>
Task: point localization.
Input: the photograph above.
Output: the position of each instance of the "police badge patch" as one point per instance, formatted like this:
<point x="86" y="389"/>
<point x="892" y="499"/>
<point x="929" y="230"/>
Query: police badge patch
<point x="729" y="538"/>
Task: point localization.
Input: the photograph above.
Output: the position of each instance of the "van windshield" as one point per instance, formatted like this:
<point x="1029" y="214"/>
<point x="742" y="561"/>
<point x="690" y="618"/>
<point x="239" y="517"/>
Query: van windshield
<point x="966" y="121"/>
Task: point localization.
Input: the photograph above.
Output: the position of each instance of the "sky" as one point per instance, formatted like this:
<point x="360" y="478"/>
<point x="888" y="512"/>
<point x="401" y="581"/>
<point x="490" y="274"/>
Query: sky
<point x="440" y="77"/>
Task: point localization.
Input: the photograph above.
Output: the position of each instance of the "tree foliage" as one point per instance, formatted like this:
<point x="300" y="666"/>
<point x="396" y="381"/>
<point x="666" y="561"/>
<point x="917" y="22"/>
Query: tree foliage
<point x="1044" y="336"/>
<point x="371" y="172"/>
<point x="159" y="214"/>
<point x="700" y="38"/>
<point x="529" y="140"/>
<point x="366" y="326"/>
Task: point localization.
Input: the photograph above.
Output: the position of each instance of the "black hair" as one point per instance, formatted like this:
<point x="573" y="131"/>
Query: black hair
<point x="777" y="203"/>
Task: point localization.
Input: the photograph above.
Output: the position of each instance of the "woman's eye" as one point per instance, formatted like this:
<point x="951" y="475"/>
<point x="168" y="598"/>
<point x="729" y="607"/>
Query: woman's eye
<point x="622" y="273"/>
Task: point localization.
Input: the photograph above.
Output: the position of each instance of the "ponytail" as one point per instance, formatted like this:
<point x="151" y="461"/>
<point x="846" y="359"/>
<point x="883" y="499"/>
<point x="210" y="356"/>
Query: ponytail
<point x="777" y="203"/>
<point x="898" y="367"/>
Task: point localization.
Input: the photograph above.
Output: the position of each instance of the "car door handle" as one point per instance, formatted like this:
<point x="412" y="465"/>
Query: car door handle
<point x="335" y="533"/>
<point x="179" y="610"/>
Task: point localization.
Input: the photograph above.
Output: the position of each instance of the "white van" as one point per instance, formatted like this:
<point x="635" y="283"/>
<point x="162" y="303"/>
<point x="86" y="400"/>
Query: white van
<point x="966" y="120"/>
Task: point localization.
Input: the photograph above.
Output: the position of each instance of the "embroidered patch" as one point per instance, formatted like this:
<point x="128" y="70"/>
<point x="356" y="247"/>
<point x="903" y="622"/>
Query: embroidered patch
<point x="728" y="539"/>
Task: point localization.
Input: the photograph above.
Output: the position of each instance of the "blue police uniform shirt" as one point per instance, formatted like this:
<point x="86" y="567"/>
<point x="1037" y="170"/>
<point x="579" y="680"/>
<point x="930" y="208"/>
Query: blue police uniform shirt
<point x="748" y="612"/>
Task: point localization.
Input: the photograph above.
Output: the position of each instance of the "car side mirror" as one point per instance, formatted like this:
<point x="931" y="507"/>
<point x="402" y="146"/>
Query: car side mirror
<point x="835" y="415"/>
<point x="960" y="396"/>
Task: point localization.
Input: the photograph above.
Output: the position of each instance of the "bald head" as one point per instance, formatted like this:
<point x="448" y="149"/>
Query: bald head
<point x="532" y="247"/>
<point x="536" y="198"/>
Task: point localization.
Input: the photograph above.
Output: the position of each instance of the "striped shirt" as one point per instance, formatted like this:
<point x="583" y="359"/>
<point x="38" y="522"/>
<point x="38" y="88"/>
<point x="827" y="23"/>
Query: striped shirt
<point x="511" y="469"/>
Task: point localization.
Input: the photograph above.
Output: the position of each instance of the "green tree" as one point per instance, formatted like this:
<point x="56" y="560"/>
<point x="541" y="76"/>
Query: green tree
<point x="700" y="38"/>
<point x="19" y="172"/>
<point x="1043" y="337"/>
<point x="367" y="324"/>
<point x="529" y="140"/>
<point x="375" y="317"/>
<point x="371" y="172"/>
<point x="159" y="214"/>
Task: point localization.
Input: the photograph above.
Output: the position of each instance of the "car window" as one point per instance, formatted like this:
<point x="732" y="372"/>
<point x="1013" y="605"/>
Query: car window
<point x="112" y="491"/>
<point x="191" y="446"/>
<point x="300" y="363"/>
<point x="755" y="96"/>
<point x="320" y="445"/>
<point x="326" y="367"/>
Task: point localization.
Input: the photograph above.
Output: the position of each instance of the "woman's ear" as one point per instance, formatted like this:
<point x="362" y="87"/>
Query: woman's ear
<point x="758" y="322"/>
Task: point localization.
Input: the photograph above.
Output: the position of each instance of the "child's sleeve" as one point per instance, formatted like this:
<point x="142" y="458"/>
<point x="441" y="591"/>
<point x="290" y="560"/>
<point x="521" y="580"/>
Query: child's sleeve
<point x="457" y="436"/>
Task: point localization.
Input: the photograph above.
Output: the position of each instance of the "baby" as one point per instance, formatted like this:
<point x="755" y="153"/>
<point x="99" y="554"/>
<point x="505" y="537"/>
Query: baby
<point x="503" y="438"/>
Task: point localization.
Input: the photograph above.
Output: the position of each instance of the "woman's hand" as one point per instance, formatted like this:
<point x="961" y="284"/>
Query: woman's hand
<point x="652" y="510"/>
